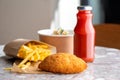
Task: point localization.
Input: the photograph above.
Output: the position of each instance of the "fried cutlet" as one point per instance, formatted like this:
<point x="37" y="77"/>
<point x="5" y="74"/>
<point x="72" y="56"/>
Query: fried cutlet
<point x="65" y="63"/>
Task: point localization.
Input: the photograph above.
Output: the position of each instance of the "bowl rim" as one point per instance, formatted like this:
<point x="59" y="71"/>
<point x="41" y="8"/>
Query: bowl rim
<point x="50" y="31"/>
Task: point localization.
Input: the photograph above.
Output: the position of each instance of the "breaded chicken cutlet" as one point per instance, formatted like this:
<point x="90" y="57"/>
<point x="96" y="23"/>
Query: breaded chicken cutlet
<point x="63" y="63"/>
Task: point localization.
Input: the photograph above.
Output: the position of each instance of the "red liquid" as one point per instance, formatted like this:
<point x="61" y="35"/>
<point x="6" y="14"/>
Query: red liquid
<point x="84" y="37"/>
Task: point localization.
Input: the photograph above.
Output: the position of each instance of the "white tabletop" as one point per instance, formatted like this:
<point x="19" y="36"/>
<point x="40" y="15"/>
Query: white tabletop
<point x="105" y="67"/>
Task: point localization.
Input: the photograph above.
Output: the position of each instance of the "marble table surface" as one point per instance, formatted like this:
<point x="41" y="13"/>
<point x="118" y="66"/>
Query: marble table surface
<point x="105" y="67"/>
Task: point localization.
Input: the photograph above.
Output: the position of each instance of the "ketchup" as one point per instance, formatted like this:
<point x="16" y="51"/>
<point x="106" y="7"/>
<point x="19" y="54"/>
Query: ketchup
<point x="84" y="34"/>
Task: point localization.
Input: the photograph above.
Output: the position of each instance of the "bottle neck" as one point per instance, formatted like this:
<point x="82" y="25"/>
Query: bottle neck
<point x="84" y="12"/>
<point x="84" y="17"/>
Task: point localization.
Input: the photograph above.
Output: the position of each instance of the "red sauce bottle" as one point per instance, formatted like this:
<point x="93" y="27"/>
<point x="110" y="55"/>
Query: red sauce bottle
<point x="84" y="34"/>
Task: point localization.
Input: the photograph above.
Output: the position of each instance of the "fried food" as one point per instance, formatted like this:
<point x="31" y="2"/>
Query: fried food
<point x="32" y="52"/>
<point x="65" y="63"/>
<point x="38" y="51"/>
<point x="29" y="53"/>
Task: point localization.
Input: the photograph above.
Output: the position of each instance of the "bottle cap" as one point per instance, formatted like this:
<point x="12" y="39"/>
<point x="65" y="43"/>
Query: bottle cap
<point x="84" y="8"/>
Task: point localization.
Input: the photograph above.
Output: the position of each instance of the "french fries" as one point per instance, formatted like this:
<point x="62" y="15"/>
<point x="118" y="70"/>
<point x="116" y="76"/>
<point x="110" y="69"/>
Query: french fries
<point x="38" y="52"/>
<point x="32" y="52"/>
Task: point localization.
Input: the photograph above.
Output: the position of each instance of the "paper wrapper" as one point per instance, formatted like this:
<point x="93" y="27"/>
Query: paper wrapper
<point x="32" y="69"/>
<point x="11" y="49"/>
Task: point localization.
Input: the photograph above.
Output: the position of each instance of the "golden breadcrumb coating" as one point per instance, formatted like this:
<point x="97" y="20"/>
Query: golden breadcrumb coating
<point x="65" y="63"/>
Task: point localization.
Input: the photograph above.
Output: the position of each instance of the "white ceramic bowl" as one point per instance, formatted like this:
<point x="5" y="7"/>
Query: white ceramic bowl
<point x="63" y="43"/>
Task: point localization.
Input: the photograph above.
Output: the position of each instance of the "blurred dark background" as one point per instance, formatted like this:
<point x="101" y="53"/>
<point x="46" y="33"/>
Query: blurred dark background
<point x="105" y="11"/>
<point x="111" y="10"/>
